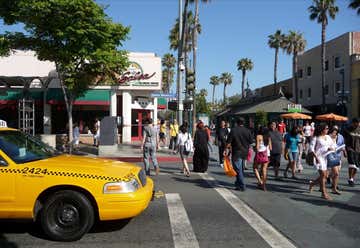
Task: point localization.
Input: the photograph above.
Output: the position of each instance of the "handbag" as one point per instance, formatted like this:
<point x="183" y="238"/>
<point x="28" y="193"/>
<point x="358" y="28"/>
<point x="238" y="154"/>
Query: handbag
<point x="229" y="170"/>
<point x="188" y="145"/>
<point x="332" y="160"/>
<point x="261" y="157"/>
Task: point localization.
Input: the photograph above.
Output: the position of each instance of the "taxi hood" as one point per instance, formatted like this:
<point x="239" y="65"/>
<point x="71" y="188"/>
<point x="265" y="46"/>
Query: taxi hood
<point x="90" y="166"/>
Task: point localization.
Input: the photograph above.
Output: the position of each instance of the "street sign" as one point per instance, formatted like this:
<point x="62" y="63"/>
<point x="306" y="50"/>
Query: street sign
<point x="164" y="95"/>
<point x="293" y="108"/>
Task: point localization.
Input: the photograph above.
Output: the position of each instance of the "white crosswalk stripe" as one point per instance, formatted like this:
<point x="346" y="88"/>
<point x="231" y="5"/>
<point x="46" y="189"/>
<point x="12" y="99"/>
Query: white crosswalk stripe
<point x="273" y="237"/>
<point x="183" y="234"/>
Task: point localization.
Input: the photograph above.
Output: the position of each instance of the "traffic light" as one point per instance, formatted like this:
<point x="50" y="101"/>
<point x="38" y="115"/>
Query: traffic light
<point x="190" y="84"/>
<point x="172" y="105"/>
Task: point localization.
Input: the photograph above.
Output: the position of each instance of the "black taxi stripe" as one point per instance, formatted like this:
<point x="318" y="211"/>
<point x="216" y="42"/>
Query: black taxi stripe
<point x="71" y="174"/>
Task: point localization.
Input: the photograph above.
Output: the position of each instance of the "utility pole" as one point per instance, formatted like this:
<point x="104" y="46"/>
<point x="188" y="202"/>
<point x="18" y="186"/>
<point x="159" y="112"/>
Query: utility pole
<point x="343" y="107"/>
<point x="180" y="62"/>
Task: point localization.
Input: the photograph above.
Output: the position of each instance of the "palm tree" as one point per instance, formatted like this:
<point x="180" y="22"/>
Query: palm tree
<point x="168" y="61"/>
<point x="244" y="65"/>
<point x="196" y="29"/>
<point x="214" y="80"/>
<point x="226" y="79"/>
<point x="355" y="4"/>
<point x="294" y="44"/>
<point x="276" y="41"/>
<point x="320" y="11"/>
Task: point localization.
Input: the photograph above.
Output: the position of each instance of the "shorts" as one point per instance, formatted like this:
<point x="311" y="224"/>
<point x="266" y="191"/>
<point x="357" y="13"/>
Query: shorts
<point x="293" y="156"/>
<point x="162" y="135"/>
<point x="275" y="160"/>
<point x="353" y="159"/>
<point x="307" y="139"/>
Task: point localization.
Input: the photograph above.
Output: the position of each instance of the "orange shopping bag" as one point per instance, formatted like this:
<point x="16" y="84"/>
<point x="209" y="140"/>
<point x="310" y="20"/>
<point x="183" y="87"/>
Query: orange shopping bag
<point x="229" y="170"/>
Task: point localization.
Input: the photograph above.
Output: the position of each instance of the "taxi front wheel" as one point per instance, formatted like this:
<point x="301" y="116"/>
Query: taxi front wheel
<point x="66" y="216"/>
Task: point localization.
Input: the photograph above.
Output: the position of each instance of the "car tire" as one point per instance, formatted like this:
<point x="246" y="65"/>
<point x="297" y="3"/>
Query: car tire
<point x="66" y="216"/>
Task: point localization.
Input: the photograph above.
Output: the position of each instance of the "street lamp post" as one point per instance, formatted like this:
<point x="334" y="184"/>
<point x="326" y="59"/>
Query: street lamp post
<point x="180" y="67"/>
<point x="343" y="109"/>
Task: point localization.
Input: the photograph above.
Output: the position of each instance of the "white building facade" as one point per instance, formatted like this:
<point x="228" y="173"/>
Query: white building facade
<point x="129" y="99"/>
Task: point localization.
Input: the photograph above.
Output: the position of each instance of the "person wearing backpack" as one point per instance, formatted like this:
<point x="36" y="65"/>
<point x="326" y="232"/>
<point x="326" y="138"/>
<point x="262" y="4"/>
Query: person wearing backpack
<point x="183" y="140"/>
<point x="149" y="145"/>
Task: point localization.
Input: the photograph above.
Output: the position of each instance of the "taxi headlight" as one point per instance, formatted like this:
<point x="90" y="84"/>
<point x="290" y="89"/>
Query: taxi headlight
<point x="121" y="187"/>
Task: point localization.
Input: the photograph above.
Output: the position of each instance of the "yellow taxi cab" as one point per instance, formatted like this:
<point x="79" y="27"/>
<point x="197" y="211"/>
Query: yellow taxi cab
<point x="66" y="194"/>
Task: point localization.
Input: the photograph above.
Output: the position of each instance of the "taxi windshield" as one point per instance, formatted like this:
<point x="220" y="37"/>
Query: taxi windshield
<point x="23" y="148"/>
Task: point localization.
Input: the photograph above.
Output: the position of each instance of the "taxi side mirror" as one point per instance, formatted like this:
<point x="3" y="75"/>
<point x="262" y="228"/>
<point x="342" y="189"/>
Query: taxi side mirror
<point x="3" y="162"/>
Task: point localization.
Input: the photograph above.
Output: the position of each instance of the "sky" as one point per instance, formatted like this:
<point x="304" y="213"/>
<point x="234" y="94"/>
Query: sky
<point x="231" y="30"/>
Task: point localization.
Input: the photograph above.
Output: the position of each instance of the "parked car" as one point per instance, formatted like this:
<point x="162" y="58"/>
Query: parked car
<point x="66" y="194"/>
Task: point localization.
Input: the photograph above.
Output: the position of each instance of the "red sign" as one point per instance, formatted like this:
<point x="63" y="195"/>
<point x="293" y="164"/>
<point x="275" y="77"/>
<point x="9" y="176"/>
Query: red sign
<point x="128" y="76"/>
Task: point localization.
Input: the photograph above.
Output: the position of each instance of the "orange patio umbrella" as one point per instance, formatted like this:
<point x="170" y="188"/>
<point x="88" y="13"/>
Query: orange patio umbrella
<point x="296" y="116"/>
<point x="331" y="117"/>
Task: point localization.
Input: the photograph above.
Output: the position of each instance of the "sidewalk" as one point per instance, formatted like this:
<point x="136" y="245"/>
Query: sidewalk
<point x="132" y="153"/>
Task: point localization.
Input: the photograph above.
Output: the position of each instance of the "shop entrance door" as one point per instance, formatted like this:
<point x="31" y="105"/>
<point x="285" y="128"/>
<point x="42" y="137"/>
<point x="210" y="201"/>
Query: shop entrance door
<point x="137" y="118"/>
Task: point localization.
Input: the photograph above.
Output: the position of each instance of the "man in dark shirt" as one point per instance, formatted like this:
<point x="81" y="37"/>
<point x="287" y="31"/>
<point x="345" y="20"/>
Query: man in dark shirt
<point x="221" y="137"/>
<point x="352" y="142"/>
<point x="277" y="148"/>
<point x="239" y="141"/>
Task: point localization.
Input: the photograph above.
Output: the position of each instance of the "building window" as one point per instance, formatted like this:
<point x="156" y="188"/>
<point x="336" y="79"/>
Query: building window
<point x="308" y="71"/>
<point x="337" y="62"/>
<point x="337" y="87"/>
<point x="326" y="90"/>
<point x="309" y="92"/>
<point x="301" y="94"/>
<point x="326" y="65"/>
<point x="300" y="73"/>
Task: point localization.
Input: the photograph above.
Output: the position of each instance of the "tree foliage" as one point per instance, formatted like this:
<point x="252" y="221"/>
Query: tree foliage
<point x="355" y="4"/>
<point x="201" y="104"/>
<point x="168" y="63"/>
<point x="77" y="36"/>
<point x="261" y="118"/>
<point x="243" y="65"/>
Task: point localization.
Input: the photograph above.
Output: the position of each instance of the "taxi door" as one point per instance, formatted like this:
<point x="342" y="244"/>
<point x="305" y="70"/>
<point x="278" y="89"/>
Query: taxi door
<point x="7" y="187"/>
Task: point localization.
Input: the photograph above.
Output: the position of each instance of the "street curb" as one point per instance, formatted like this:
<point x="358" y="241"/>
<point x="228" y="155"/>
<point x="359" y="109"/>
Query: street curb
<point x="140" y="159"/>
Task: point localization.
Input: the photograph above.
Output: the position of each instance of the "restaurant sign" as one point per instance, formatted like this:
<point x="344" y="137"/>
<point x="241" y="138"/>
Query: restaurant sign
<point x="294" y="108"/>
<point x="135" y="73"/>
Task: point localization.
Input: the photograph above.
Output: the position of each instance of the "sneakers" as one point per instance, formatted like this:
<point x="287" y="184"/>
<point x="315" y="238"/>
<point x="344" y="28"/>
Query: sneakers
<point x="351" y="182"/>
<point x="222" y="165"/>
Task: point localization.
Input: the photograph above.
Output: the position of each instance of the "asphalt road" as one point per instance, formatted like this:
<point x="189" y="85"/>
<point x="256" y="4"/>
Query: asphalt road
<point x="204" y="211"/>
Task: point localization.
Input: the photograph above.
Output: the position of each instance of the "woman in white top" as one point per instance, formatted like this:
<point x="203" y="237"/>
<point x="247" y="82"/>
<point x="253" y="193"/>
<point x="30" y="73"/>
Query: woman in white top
<point x="183" y="136"/>
<point x="322" y="144"/>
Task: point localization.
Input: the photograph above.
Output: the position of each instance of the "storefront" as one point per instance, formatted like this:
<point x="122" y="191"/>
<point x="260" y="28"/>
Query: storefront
<point x="129" y="99"/>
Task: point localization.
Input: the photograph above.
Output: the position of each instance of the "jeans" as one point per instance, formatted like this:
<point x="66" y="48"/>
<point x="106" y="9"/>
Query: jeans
<point x="149" y="152"/>
<point x="238" y="165"/>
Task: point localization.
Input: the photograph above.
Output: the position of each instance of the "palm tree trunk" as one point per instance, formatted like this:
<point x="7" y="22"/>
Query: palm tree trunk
<point x="194" y="47"/>
<point x="224" y="93"/>
<point x="213" y="95"/>
<point x="275" y="68"/>
<point x="323" y="26"/>
<point x="243" y="83"/>
<point x="295" y="77"/>
<point x="168" y="81"/>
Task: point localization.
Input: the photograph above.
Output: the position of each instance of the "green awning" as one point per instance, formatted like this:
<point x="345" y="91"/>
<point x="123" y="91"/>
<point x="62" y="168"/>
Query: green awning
<point x="90" y="97"/>
<point x="15" y="95"/>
